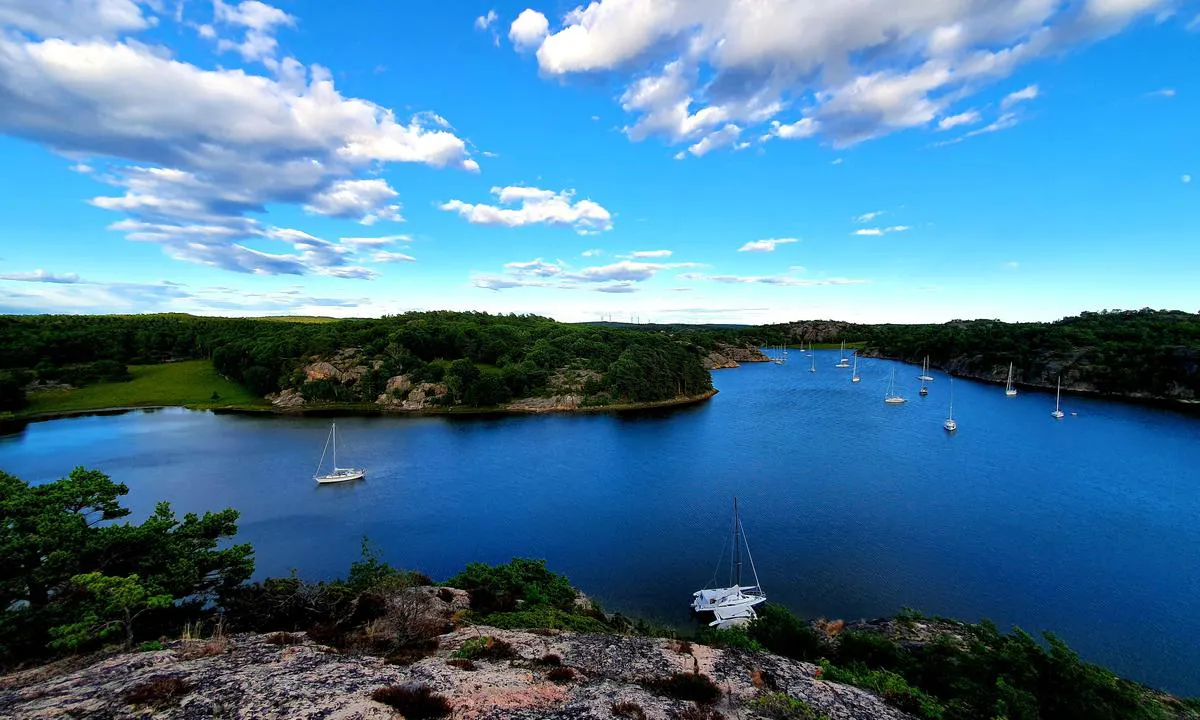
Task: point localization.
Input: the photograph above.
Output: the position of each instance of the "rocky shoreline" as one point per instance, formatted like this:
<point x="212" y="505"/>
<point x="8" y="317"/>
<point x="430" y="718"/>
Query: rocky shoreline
<point x="545" y="674"/>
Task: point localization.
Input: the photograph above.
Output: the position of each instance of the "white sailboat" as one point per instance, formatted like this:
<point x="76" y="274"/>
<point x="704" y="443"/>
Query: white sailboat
<point x="1058" y="413"/>
<point x="891" y="398"/>
<point x="925" y="376"/>
<point x="814" y="362"/>
<point x="778" y="359"/>
<point x="950" y="424"/>
<point x="337" y="474"/>
<point x="854" y="373"/>
<point x="1009" y="390"/>
<point x="843" y="363"/>
<point x="733" y="605"/>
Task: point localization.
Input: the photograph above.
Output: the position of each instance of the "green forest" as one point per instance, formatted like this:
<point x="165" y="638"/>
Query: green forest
<point x="481" y="360"/>
<point x="1135" y="353"/>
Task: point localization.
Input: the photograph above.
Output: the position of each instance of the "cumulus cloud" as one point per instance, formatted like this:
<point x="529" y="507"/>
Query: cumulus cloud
<point x="528" y="30"/>
<point x="195" y="173"/>
<point x="41" y="276"/>
<point x="766" y="245"/>
<point x="535" y="206"/>
<point x="854" y="71"/>
<point x="721" y="138"/>
<point x="483" y="22"/>
<point x="364" y="200"/>
<point x="258" y="22"/>
<point x="618" y="277"/>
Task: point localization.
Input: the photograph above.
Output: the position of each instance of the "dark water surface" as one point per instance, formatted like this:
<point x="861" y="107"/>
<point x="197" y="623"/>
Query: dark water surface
<point x="1088" y="526"/>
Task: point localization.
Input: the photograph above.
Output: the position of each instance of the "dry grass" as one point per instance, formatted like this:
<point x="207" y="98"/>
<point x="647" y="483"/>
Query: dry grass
<point x="698" y="712"/>
<point x="461" y="663"/>
<point x="683" y="647"/>
<point x="830" y="628"/>
<point x="414" y="702"/>
<point x="159" y="692"/>
<point x="560" y="675"/>
<point x="283" y="638"/>
<point x="203" y="649"/>
<point x="628" y="709"/>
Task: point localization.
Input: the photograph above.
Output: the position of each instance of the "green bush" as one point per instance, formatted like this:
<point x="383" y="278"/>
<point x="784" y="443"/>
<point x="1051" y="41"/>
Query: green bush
<point x="685" y="686"/>
<point x="780" y="706"/>
<point x="547" y="618"/>
<point x="485" y="648"/>
<point x="891" y="687"/>
<point x="501" y="588"/>
<point x="783" y="633"/>
<point x="734" y="637"/>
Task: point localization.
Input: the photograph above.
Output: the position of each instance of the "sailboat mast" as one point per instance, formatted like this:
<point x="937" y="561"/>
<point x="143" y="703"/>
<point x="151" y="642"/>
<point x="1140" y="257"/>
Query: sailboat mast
<point x="1058" y="394"/>
<point x="737" y="548"/>
<point x="333" y="432"/>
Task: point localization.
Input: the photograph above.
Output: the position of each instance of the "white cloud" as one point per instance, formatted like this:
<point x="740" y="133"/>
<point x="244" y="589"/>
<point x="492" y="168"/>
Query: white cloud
<point x="1185" y="179"/>
<point x="766" y="245"/>
<point x="803" y="128"/>
<point x="618" y="277"/>
<point x="836" y="161"/>
<point x="365" y="242"/>
<point x="1026" y="93"/>
<point x="194" y="173"/>
<point x="592" y="252"/>
<point x="387" y="256"/>
<point x="1162" y="92"/>
<point x="536" y="206"/>
<point x="780" y="280"/>
<point x="875" y="232"/>
<point x="868" y="216"/>
<point x="528" y="30"/>
<point x="82" y="168"/>
<point x="74" y="19"/>
<point x="1011" y="265"/>
<point x="721" y="138"/>
<point x="536" y="267"/>
<point x="483" y="22"/>
<point x="1004" y="122"/>
<point x="857" y="70"/>
<point x="41" y="276"/>
<point x="259" y="21"/>
<point x="969" y="117"/>
<point x="364" y="200"/>
<point x="645" y="254"/>
<point x="626" y="270"/>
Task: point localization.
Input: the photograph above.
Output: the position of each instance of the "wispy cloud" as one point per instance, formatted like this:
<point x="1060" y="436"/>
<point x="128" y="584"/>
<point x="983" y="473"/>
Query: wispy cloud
<point x="1010" y="265"/>
<point x="361" y="242"/>
<point x="875" y="231"/>
<point x="781" y="280"/>
<point x="868" y="216"/>
<point x="1185" y="178"/>
<point x="647" y="254"/>
<point x="592" y="252"/>
<point x="1026" y="93"/>
<point x="387" y="256"/>
<point x="967" y="118"/>
<point x="41" y="276"/>
<point x="766" y="245"/>
<point x="1162" y="92"/>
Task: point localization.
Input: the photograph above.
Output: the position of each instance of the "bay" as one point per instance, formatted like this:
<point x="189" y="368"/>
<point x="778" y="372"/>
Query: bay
<point x="1087" y="526"/>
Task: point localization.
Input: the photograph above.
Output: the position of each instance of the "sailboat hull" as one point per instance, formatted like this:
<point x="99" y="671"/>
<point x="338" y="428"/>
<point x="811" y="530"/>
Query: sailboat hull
<point x="341" y="475"/>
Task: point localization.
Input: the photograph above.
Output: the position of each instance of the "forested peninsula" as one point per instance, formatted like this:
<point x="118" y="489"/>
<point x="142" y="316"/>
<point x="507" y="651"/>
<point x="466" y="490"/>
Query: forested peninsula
<point x="428" y="361"/>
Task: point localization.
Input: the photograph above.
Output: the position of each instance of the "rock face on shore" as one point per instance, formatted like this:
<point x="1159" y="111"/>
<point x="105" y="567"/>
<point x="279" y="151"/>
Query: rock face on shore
<point x="289" y="676"/>
<point x="725" y="355"/>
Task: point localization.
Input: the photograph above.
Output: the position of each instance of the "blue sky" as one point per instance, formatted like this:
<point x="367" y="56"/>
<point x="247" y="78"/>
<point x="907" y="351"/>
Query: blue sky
<point x="707" y="161"/>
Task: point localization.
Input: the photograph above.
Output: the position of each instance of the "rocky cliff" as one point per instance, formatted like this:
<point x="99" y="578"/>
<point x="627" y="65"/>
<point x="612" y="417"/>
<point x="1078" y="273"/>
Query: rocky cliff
<point x="519" y="675"/>
<point x="724" y="355"/>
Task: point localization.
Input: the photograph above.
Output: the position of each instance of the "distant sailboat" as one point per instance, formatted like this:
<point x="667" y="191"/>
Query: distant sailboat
<point x="854" y="374"/>
<point x="1009" y="390"/>
<point x="843" y="363"/>
<point x="1058" y="413"/>
<point x="925" y="376"/>
<point x="734" y="605"/>
<point x="779" y="357"/>
<point x="950" y="424"/>
<point x="814" y="362"/>
<point x="337" y="474"/>
<point x="891" y="397"/>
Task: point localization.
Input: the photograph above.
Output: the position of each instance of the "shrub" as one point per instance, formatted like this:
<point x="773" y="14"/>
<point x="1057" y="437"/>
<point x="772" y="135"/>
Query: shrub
<point x="870" y="649"/>
<point x="551" y="660"/>
<point x="159" y="692"/>
<point x="414" y="702"/>
<point x="546" y="618"/>
<point x="783" y="633"/>
<point x="734" y="637"/>
<point x="698" y="712"/>
<point x="150" y="646"/>
<point x="784" y="707"/>
<point x="461" y="663"/>
<point x="683" y="647"/>
<point x="485" y="648"/>
<point x="685" y="686"/>
<point x="560" y="675"/>
<point x="627" y="709"/>
<point x="282" y="638"/>
<point x="891" y="687"/>
<point x="499" y="588"/>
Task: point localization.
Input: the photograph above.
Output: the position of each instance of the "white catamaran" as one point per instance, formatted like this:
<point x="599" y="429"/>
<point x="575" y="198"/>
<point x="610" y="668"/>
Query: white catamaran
<point x="733" y="605"/>
<point x="337" y="474"/>
<point x="891" y="398"/>
<point x="1009" y="390"/>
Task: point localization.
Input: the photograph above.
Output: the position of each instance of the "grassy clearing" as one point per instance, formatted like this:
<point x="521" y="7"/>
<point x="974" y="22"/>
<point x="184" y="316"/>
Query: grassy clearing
<point x="189" y="383"/>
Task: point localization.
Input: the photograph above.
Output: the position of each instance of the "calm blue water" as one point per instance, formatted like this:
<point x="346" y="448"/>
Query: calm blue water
<point x="1089" y="526"/>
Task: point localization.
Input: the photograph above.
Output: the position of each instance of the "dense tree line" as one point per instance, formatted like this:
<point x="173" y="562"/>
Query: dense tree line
<point x="1153" y="353"/>
<point x="483" y="359"/>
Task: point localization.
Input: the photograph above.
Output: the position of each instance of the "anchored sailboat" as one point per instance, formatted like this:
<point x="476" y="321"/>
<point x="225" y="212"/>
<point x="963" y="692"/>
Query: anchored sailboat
<point x="1058" y="413"/>
<point x="733" y="605"/>
<point x="925" y="377"/>
<point x="891" y="397"/>
<point x="843" y="363"/>
<point x="950" y="424"/>
<point x="854" y="373"/>
<point x="1009" y="390"/>
<point x="337" y="474"/>
<point x="814" y="362"/>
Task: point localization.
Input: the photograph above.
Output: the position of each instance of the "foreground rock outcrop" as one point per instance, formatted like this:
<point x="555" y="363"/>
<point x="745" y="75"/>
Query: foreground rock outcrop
<point x="289" y="676"/>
